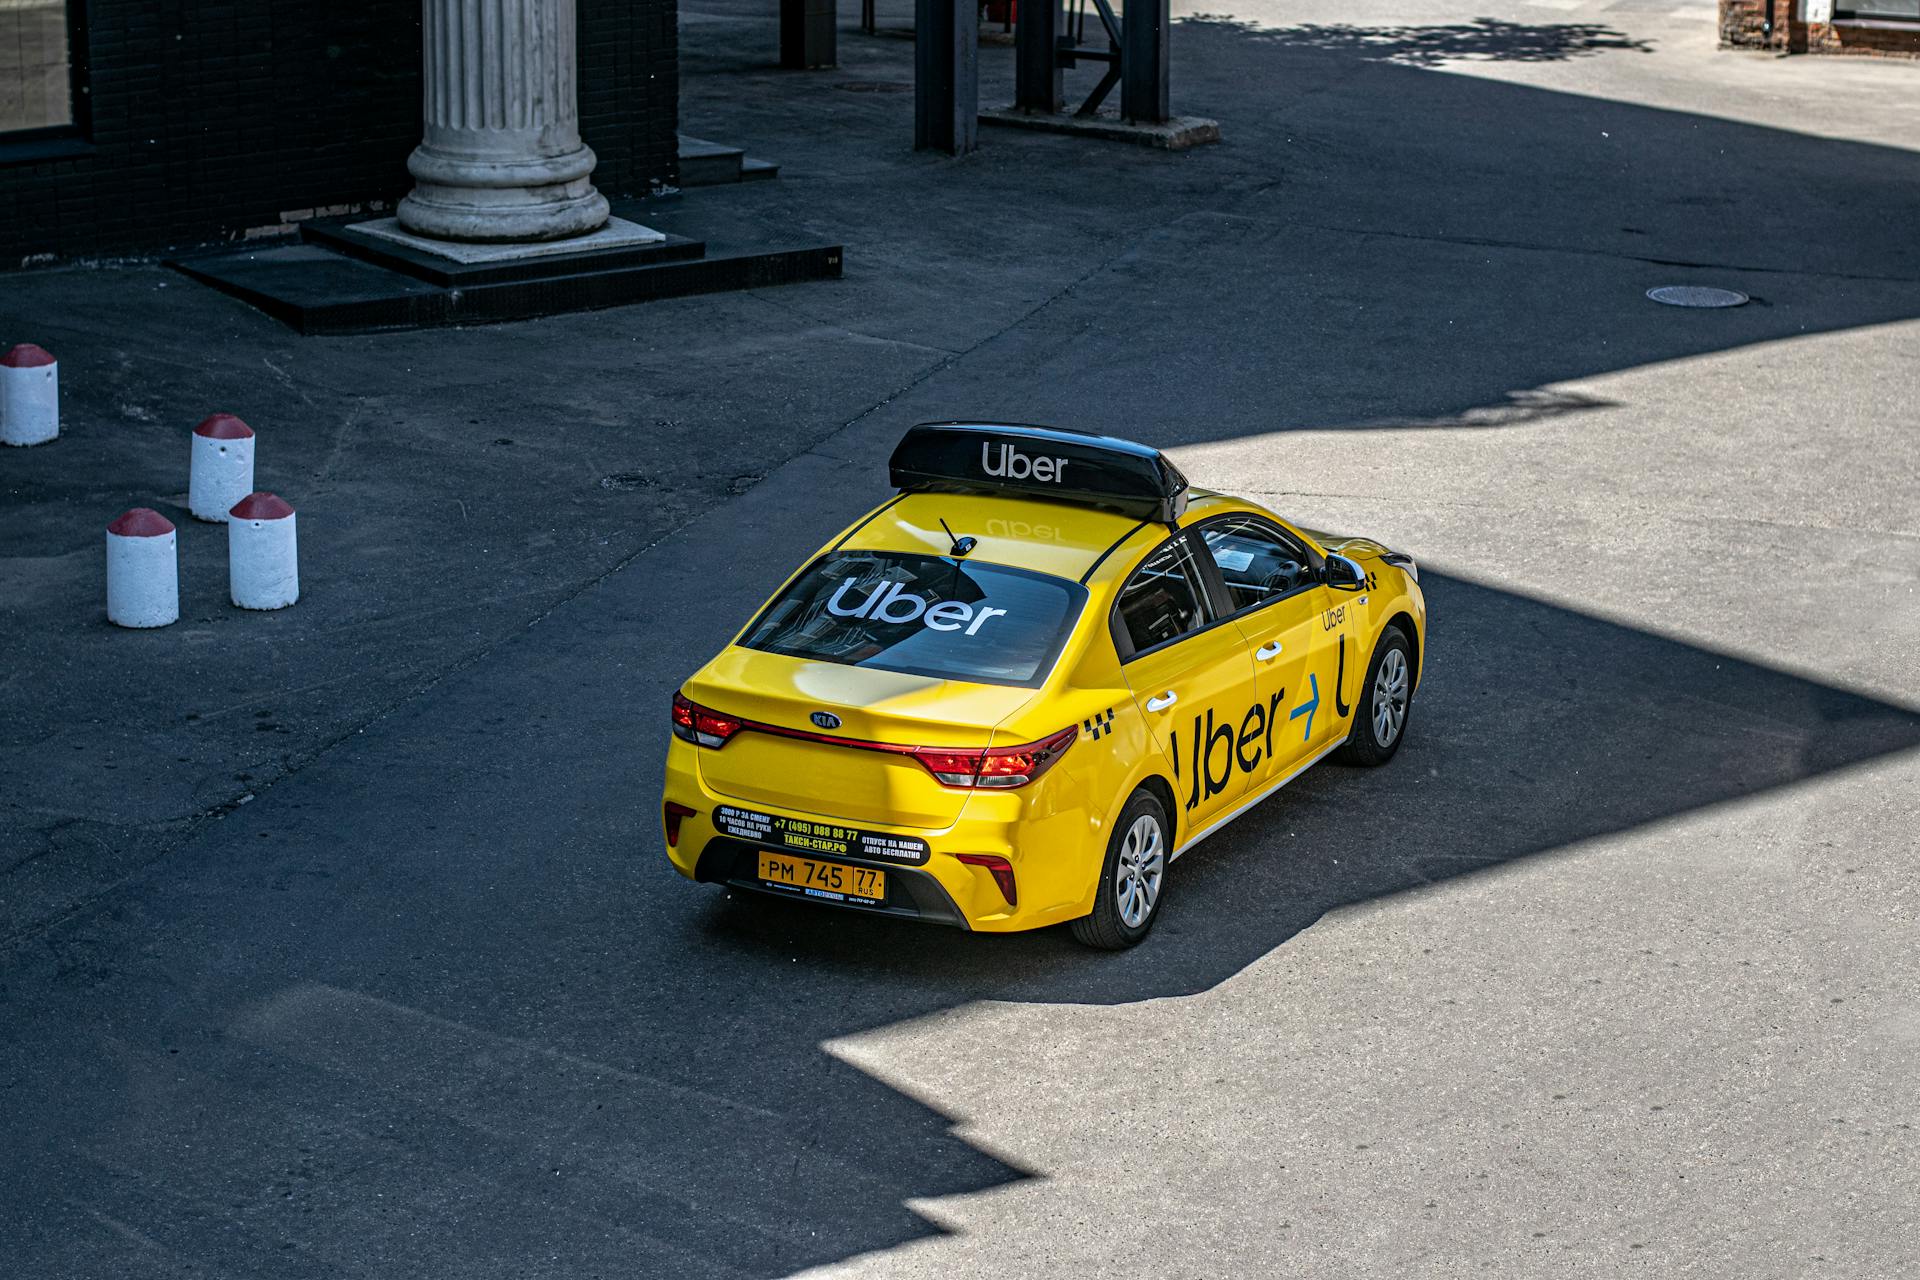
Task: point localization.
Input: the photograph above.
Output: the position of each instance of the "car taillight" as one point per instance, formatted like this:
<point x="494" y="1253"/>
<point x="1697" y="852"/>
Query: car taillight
<point x="996" y="767"/>
<point x="672" y="813"/>
<point x="999" y="868"/>
<point x="702" y="725"/>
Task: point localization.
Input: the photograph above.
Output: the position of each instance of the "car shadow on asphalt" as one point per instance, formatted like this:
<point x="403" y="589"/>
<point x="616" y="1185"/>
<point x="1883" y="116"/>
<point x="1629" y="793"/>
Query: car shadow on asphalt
<point x="1537" y="728"/>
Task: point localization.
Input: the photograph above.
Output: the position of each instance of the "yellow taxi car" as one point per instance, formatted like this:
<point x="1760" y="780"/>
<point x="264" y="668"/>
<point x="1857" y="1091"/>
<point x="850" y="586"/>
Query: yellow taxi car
<point x="1013" y="694"/>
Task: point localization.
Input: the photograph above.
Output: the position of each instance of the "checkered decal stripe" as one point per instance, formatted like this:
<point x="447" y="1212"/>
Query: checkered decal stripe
<point x="1098" y="727"/>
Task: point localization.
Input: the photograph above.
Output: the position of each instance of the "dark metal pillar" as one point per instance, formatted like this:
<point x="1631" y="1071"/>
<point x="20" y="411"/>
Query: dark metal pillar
<point x="1038" y="83"/>
<point x="1143" y="61"/>
<point x="946" y="75"/>
<point x="809" y="34"/>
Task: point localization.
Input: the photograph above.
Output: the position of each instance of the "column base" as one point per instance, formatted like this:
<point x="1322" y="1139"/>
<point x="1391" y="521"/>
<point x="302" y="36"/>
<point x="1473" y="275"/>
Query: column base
<point x="493" y="201"/>
<point x="495" y="215"/>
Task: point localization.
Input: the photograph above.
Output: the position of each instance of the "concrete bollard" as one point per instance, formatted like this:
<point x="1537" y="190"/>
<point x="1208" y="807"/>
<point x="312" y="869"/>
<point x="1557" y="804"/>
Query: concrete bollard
<point x="222" y="470"/>
<point x="143" y="571"/>
<point x="263" y="557"/>
<point x="29" y="396"/>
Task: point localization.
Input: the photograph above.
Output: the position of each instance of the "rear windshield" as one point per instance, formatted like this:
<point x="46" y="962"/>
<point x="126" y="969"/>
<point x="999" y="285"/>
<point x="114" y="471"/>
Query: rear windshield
<point x="923" y="615"/>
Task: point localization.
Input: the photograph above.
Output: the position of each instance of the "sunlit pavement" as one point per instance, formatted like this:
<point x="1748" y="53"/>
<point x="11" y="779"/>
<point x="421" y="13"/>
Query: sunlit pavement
<point x="1611" y="971"/>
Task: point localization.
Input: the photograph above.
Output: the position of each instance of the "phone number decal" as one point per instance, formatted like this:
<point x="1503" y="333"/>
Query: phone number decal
<point x="820" y="837"/>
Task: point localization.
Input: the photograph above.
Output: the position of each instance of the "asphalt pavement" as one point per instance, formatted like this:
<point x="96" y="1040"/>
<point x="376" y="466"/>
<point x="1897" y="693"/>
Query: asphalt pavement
<point x="361" y="959"/>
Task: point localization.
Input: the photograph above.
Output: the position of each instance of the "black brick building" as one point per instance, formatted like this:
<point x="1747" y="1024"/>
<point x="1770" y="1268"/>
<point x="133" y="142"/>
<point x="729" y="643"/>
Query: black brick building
<point x="131" y="126"/>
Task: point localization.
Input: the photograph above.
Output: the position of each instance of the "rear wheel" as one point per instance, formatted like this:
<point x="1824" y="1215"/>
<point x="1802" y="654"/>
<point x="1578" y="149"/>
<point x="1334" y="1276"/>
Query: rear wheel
<point x="1132" y="879"/>
<point x="1386" y="703"/>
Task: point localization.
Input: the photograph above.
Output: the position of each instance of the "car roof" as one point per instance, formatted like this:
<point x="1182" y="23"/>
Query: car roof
<point x="1066" y="540"/>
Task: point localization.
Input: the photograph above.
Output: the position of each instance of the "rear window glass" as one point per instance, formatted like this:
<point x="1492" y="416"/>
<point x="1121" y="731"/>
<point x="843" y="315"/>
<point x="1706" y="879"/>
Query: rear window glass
<point x="923" y="615"/>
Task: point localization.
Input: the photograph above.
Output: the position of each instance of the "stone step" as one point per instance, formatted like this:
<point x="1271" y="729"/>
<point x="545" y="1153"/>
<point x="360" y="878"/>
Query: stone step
<point x="707" y="164"/>
<point x="712" y="164"/>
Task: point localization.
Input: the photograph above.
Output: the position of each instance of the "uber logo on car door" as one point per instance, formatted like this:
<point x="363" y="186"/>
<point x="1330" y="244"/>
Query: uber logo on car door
<point x="1249" y="747"/>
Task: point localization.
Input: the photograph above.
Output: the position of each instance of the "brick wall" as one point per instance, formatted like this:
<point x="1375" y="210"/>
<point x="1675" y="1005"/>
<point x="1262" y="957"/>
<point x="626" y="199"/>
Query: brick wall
<point x="1776" y="25"/>
<point x="1744" y="23"/>
<point x="213" y="118"/>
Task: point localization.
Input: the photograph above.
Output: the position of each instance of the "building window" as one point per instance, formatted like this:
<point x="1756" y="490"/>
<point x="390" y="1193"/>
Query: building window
<point x="1896" y="10"/>
<point x="37" y="71"/>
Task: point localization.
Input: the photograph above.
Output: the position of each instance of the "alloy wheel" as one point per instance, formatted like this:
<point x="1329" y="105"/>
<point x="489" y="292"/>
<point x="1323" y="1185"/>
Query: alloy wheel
<point x="1390" y="697"/>
<point x="1138" y="871"/>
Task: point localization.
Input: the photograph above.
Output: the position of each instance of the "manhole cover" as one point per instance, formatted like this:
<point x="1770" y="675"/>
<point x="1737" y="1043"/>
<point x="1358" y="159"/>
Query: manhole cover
<point x="1696" y="295"/>
<point x="873" y="86"/>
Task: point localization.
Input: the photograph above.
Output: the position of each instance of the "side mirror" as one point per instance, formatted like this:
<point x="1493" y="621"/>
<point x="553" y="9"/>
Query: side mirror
<point x="1344" y="575"/>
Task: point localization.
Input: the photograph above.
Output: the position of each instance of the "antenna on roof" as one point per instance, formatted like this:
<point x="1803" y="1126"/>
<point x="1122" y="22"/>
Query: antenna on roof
<point x="960" y="545"/>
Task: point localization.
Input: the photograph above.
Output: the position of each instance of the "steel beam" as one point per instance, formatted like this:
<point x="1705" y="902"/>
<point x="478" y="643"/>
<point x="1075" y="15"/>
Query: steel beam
<point x="809" y="34"/>
<point x="946" y="75"/>
<point x="1143" y="61"/>
<point x="1038" y="81"/>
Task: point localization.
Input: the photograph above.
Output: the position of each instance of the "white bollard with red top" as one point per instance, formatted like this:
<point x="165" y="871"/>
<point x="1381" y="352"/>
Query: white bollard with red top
<point x="143" y="571"/>
<point x="29" y="396"/>
<point x="263" y="559"/>
<point x="222" y="470"/>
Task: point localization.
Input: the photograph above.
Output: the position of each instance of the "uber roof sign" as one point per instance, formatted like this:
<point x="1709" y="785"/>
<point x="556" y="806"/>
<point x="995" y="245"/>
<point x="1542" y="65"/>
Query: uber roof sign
<point x="1040" y="462"/>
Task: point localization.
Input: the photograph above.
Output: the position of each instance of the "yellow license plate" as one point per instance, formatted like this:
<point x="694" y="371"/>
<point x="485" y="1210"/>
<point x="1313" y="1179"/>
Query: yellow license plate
<point x="834" y="880"/>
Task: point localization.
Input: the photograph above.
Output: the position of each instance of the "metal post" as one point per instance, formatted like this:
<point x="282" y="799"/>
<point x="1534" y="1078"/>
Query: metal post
<point x="1038" y="83"/>
<point x="1143" y="61"/>
<point x="946" y="75"/>
<point x="809" y="34"/>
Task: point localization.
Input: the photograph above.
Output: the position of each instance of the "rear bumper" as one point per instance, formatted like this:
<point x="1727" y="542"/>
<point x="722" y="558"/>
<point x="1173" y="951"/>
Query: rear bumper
<point x="911" y="894"/>
<point x="1055" y="853"/>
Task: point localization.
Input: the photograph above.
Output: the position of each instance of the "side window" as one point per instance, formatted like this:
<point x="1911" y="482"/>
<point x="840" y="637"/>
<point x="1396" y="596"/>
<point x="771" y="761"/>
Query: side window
<point x="1258" y="561"/>
<point x="1162" y="600"/>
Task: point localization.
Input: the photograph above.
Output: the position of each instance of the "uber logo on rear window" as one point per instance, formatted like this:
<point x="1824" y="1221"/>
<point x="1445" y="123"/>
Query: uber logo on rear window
<point x="894" y="604"/>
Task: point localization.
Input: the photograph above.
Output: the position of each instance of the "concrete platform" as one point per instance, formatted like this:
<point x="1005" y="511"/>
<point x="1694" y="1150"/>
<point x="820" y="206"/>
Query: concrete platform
<point x="361" y="278"/>
<point x="1177" y="134"/>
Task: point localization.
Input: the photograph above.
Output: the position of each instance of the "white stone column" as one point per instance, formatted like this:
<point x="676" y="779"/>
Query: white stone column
<point x="501" y="159"/>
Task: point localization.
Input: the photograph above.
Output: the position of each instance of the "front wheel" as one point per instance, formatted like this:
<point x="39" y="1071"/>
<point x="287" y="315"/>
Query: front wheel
<point x="1380" y="721"/>
<point x="1132" y="879"/>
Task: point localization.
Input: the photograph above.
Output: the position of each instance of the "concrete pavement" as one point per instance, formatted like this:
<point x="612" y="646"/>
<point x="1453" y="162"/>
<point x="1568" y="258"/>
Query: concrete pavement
<point x="1610" y="970"/>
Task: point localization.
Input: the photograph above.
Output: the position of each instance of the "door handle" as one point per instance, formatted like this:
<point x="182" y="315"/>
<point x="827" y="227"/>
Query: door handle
<point x="1162" y="702"/>
<point x="1268" y="652"/>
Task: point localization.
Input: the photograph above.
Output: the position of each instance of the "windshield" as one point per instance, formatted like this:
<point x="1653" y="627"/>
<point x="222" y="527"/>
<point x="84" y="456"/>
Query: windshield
<point x="922" y="615"/>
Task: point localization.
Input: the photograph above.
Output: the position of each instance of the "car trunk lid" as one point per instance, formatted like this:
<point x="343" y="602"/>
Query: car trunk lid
<point x="824" y="772"/>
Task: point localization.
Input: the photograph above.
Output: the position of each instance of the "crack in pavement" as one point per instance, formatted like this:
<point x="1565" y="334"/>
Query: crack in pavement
<point x="1486" y="242"/>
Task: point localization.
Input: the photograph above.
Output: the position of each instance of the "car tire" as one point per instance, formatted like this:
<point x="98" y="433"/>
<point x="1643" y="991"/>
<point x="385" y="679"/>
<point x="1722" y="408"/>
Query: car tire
<point x="1133" y="877"/>
<point x="1386" y="703"/>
